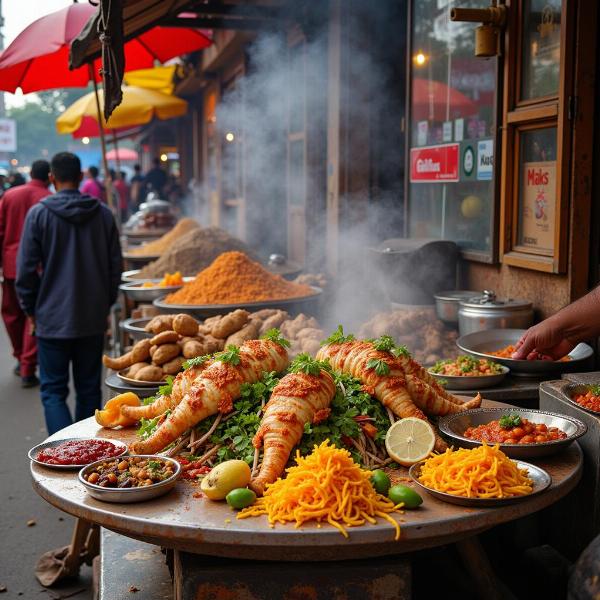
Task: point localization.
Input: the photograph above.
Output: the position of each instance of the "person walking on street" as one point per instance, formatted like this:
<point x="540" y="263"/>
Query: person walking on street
<point x="122" y="189"/>
<point x="13" y="208"/>
<point x="68" y="273"/>
<point x="138" y="194"/>
<point x="156" y="178"/>
<point x="92" y="186"/>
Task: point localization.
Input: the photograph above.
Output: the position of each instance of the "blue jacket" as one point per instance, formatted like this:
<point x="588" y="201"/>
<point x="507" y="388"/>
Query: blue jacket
<point x="69" y="265"/>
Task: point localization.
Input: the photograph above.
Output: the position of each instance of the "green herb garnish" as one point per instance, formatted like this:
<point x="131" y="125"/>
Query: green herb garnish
<point x="305" y="363"/>
<point x="196" y="361"/>
<point x="595" y="389"/>
<point x="379" y="365"/>
<point x="386" y="343"/>
<point x="148" y="426"/>
<point x="230" y="355"/>
<point x="274" y="335"/>
<point x="154" y="465"/>
<point x="163" y="390"/>
<point x="510" y="421"/>
<point x="338" y="337"/>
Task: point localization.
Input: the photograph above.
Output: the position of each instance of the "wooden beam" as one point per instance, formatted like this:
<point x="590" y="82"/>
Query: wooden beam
<point x="236" y="10"/>
<point x="220" y="23"/>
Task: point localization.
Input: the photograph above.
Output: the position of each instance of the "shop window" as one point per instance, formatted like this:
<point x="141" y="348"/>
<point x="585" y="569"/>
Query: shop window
<point x="452" y="133"/>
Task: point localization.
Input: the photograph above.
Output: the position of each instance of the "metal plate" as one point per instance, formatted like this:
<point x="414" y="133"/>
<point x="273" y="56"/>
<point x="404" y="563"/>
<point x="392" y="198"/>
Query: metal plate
<point x="140" y="257"/>
<point x="481" y="343"/>
<point x="453" y="427"/>
<point x="480" y="382"/>
<point x="135" y="291"/>
<point x="209" y="310"/>
<point x="135" y="328"/>
<point x="32" y="454"/>
<point x="133" y="275"/>
<point x="138" y="383"/>
<point x="128" y="495"/>
<point x="579" y="388"/>
<point x="541" y="481"/>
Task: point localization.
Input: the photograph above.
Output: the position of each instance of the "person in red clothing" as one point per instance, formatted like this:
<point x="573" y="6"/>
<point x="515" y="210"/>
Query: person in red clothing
<point x="13" y="208"/>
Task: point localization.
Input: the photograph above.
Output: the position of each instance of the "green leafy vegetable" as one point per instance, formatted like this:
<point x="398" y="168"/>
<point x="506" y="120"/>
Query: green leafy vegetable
<point x="230" y="355"/>
<point x="386" y="343"/>
<point x="196" y="361"/>
<point x="305" y="363"/>
<point x="338" y="337"/>
<point x="595" y="389"/>
<point x="163" y="390"/>
<point x="510" y="421"/>
<point x="379" y="365"/>
<point x="148" y="426"/>
<point x="275" y="336"/>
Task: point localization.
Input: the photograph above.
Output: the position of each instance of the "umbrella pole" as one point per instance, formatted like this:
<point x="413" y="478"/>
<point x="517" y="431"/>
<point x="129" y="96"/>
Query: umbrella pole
<point x="107" y="180"/>
<point x="114" y="133"/>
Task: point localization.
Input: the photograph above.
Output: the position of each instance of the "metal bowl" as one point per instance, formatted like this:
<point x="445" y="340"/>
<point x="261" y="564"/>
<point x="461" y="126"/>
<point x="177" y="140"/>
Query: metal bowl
<point x="292" y="305"/>
<point x="32" y="454"/>
<point x="579" y="388"/>
<point x="128" y="495"/>
<point x="135" y="328"/>
<point x="134" y="290"/>
<point x="133" y="275"/>
<point x="454" y="426"/>
<point x="481" y="343"/>
<point x="139" y="382"/>
<point x="473" y="382"/>
<point x="541" y="481"/>
<point x="446" y="304"/>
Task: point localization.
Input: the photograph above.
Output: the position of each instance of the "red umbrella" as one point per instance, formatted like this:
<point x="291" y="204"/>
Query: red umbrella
<point x="435" y="101"/>
<point x="121" y="154"/>
<point x="38" y="58"/>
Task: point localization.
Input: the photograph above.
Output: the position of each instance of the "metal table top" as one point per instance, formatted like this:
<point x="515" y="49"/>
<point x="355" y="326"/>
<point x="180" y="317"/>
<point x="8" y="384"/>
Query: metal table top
<point x="181" y="521"/>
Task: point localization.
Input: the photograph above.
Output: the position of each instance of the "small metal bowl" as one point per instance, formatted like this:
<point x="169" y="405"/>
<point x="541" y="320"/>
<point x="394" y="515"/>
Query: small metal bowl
<point x="446" y="304"/>
<point x="479" y="382"/>
<point x="128" y="495"/>
<point x="135" y="328"/>
<point x="136" y="292"/>
<point x="32" y="454"/>
<point x="579" y="388"/>
<point x="454" y="426"/>
<point x="541" y="481"/>
<point x="133" y="275"/>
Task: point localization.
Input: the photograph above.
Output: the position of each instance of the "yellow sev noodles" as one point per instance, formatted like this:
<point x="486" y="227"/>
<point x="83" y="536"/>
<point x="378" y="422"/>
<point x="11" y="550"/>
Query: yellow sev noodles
<point x="325" y="486"/>
<point x="482" y="472"/>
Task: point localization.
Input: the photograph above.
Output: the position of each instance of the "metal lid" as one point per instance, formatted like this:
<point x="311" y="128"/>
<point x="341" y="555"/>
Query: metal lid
<point x="489" y="300"/>
<point x="456" y="295"/>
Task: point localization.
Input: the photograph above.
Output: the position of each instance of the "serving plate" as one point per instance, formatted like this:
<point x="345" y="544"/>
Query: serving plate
<point x="453" y="427"/>
<point x="32" y="454"/>
<point x="208" y="310"/>
<point x="137" y="382"/>
<point x="541" y="481"/>
<point x="481" y="343"/>
<point x="134" y="290"/>
<point x="579" y="388"/>
<point x="128" y="495"/>
<point x="133" y="275"/>
<point x="472" y="382"/>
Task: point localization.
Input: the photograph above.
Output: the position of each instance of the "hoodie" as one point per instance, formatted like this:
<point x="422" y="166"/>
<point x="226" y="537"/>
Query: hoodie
<point x="69" y="265"/>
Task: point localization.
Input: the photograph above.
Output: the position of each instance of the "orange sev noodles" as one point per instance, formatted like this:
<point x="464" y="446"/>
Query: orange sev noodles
<point x="325" y="486"/>
<point x="482" y="472"/>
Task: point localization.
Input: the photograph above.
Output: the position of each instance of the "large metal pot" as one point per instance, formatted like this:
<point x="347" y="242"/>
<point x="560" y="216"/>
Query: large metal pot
<point x="489" y="312"/>
<point x="446" y="304"/>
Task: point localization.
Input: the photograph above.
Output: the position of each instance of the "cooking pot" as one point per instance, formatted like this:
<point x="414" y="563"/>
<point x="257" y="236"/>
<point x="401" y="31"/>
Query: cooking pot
<point x="489" y="312"/>
<point x="446" y="304"/>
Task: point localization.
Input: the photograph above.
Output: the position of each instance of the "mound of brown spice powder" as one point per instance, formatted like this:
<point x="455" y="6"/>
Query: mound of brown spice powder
<point x="232" y="278"/>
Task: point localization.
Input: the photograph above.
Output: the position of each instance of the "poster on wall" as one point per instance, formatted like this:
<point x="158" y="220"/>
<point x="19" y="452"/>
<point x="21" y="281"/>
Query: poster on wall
<point x="434" y="164"/>
<point x="537" y="205"/>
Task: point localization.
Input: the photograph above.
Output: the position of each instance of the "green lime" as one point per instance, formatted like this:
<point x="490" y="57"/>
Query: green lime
<point x="240" y="498"/>
<point x="406" y="495"/>
<point x="381" y="482"/>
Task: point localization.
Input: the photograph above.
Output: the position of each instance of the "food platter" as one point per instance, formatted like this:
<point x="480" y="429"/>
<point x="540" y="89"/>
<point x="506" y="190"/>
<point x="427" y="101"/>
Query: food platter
<point x="579" y="388"/>
<point x="128" y="495"/>
<point x="473" y="382"/>
<point x="541" y="481"/>
<point x="481" y="343"/>
<point x="33" y="453"/>
<point x="300" y="304"/>
<point x="135" y="328"/>
<point x="136" y="291"/>
<point x="139" y="382"/>
<point x="453" y="427"/>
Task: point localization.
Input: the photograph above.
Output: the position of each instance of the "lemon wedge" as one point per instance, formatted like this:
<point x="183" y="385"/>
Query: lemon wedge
<point x="409" y="440"/>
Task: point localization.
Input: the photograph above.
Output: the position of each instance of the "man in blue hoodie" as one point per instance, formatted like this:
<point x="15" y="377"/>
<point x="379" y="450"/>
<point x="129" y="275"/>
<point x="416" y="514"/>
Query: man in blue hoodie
<point x="68" y="273"/>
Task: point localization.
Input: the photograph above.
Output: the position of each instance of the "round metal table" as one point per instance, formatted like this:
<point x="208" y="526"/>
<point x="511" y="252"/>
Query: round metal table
<point x="182" y="521"/>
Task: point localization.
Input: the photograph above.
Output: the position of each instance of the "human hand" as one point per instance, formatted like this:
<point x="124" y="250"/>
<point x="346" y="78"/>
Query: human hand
<point x="32" y="325"/>
<point x="544" y="341"/>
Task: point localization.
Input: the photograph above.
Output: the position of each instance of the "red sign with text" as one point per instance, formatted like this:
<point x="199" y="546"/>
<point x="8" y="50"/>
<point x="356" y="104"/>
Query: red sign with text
<point x="434" y="163"/>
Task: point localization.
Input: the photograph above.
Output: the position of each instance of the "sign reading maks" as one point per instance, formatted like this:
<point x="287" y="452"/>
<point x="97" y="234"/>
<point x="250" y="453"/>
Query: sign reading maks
<point x="434" y="164"/>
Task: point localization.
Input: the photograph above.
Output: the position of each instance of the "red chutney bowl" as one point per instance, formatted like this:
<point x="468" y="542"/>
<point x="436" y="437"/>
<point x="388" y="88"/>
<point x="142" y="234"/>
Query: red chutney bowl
<point x="74" y="453"/>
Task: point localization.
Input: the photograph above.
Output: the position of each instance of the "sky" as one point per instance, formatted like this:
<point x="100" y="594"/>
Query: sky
<point x="17" y="15"/>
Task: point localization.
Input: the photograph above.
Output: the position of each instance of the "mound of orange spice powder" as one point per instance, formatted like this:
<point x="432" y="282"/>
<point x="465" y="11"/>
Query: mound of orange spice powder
<point x="233" y="277"/>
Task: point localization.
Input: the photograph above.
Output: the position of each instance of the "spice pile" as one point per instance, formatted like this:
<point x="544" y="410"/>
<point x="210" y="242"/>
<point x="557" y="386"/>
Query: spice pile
<point x="162" y="244"/>
<point x="193" y="252"/>
<point x="425" y="336"/>
<point x="233" y="277"/>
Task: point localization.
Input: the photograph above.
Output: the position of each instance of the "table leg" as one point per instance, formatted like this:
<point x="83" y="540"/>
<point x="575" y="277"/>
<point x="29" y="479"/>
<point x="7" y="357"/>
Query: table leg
<point x="477" y="564"/>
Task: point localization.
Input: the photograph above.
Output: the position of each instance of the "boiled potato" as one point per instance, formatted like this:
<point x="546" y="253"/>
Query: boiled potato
<point x="225" y="477"/>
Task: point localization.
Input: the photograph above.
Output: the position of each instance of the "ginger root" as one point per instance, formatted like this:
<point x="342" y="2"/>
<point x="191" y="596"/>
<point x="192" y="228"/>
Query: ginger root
<point x="141" y="351"/>
<point x="165" y="353"/>
<point x="159" y="323"/>
<point x="134" y="368"/>
<point x="173" y="366"/>
<point x="164" y="337"/>
<point x="231" y="323"/>
<point x="185" y="324"/>
<point x="120" y="363"/>
<point x="248" y="332"/>
<point x="149" y="373"/>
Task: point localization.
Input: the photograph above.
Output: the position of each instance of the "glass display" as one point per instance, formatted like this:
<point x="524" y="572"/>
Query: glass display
<point x="541" y="48"/>
<point x="537" y="189"/>
<point x="452" y="130"/>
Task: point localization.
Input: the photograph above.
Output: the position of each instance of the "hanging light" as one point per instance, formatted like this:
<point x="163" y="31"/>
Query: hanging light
<point x="420" y="59"/>
<point x="85" y="140"/>
<point x="229" y="136"/>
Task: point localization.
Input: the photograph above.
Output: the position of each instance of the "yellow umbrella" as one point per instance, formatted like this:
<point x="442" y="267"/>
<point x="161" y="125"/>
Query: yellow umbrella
<point x="157" y="78"/>
<point x="139" y="107"/>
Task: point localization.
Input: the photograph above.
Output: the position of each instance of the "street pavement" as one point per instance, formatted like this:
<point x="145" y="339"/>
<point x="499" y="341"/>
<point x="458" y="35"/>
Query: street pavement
<point x="29" y="526"/>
